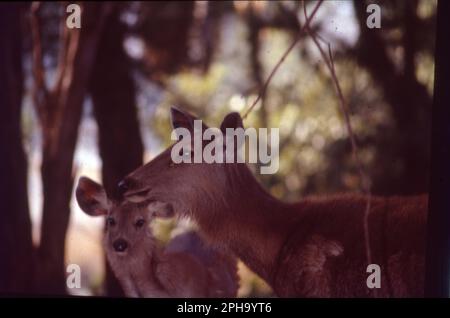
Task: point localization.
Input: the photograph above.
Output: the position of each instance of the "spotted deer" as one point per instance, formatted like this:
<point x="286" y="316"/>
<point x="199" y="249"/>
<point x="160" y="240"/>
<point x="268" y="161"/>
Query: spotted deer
<point x="186" y="267"/>
<point x="312" y="248"/>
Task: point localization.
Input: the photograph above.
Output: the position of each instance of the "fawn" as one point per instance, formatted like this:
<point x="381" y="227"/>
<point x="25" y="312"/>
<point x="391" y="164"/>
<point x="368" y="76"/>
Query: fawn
<point x="313" y="248"/>
<point x="186" y="267"/>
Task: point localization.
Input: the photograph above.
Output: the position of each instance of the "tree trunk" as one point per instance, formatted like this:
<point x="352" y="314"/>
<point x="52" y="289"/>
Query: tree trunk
<point x="16" y="247"/>
<point x="437" y="279"/>
<point x="114" y="99"/>
<point x="60" y="136"/>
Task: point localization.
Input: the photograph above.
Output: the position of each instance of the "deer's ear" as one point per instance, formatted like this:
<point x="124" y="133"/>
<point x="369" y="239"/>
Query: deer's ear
<point x="91" y="197"/>
<point x="232" y="120"/>
<point x="160" y="209"/>
<point x="181" y="119"/>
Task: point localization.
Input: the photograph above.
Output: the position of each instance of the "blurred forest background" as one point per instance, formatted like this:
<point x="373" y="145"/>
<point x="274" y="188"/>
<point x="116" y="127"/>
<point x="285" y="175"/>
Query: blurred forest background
<point x="95" y="101"/>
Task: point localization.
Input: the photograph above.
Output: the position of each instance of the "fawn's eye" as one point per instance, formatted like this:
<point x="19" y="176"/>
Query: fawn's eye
<point x="110" y="221"/>
<point x="140" y="223"/>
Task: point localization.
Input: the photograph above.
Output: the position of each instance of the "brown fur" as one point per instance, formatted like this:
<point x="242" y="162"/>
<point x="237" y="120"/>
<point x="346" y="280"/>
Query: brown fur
<point x="186" y="267"/>
<point x="314" y="248"/>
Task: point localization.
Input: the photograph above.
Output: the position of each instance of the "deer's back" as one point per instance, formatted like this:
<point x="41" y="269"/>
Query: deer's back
<point x="324" y="252"/>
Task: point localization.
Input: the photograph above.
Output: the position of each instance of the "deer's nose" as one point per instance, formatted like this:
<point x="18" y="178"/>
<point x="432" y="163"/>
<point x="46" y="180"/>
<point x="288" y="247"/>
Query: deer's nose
<point x="124" y="186"/>
<point x="120" y="245"/>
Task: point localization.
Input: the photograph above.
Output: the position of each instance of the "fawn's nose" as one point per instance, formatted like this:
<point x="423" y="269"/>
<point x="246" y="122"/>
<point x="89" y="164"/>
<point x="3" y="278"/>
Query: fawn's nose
<point x="120" y="245"/>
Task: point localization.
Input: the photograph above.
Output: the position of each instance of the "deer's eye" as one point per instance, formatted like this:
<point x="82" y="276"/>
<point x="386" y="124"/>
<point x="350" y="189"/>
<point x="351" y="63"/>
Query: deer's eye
<point x="140" y="223"/>
<point x="110" y="221"/>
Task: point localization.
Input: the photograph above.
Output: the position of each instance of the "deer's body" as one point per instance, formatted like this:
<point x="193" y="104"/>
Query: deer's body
<point x="314" y="248"/>
<point x="323" y="252"/>
<point x="185" y="268"/>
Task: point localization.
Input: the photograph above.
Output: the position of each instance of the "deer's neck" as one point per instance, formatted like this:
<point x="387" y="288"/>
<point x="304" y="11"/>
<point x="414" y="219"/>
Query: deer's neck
<point x="248" y="220"/>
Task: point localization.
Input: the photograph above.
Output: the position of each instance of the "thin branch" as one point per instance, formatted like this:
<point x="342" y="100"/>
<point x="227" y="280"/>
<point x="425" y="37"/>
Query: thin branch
<point x="62" y="63"/>
<point x="274" y="70"/>
<point x="343" y="106"/>
<point x="73" y="57"/>
<point x="40" y="91"/>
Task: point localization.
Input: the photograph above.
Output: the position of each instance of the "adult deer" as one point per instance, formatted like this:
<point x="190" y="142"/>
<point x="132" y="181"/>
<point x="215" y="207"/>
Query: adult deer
<point x="186" y="267"/>
<point x="313" y="248"/>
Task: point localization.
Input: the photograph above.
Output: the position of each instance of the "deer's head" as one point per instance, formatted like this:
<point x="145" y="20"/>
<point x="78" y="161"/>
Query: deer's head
<point x="184" y="187"/>
<point x="127" y="224"/>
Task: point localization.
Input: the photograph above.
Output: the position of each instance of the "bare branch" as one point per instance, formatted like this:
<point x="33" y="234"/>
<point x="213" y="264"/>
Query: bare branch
<point x="62" y="63"/>
<point x="365" y="182"/>
<point x="40" y="92"/>
<point x="277" y="66"/>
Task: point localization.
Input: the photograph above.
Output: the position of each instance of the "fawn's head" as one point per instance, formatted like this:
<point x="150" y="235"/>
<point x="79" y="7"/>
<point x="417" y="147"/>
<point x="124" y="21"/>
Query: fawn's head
<point x="184" y="187"/>
<point x="127" y="224"/>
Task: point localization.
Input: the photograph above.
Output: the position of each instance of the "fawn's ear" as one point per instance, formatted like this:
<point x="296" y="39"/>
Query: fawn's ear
<point x="91" y="197"/>
<point x="181" y="119"/>
<point x="160" y="209"/>
<point x="232" y="120"/>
